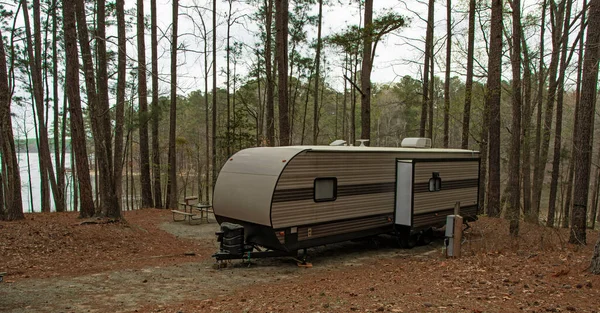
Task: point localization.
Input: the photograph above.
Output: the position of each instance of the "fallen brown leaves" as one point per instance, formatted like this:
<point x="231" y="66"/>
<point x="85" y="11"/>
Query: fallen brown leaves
<point x="537" y="272"/>
<point x="59" y="244"/>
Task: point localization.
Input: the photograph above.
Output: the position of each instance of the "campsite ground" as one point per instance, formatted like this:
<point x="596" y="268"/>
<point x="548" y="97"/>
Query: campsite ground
<point x="152" y="264"/>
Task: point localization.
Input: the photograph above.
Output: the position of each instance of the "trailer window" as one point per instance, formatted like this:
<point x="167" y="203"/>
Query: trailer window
<point x="435" y="182"/>
<point x="325" y="189"/>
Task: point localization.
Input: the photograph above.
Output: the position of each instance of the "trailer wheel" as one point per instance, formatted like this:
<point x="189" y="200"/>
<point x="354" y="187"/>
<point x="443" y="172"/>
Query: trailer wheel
<point x="408" y="242"/>
<point x="425" y="237"/>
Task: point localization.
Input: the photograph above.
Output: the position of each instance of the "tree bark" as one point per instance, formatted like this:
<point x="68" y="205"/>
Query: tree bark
<point x="426" y="66"/>
<point x="172" y="180"/>
<point x="559" y="118"/>
<point x="281" y="54"/>
<point x="569" y="198"/>
<point x="514" y="208"/>
<point x="469" y="81"/>
<point x="493" y="99"/>
<point x="269" y="75"/>
<point x="317" y="77"/>
<point x="228" y="134"/>
<point x="120" y="106"/>
<point x="145" y="182"/>
<point x="525" y="130"/>
<point x="109" y="204"/>
<point x="595" y="264"/>
<point x="58" y="160"/>
<point x="558" y="14"/>
<point x="155" y="108"/>
<point x="447" y="78"/>
<point x="10" y="179"/>
<point x="583" y="143"/>
<point x="47" y="177"/>
<point x="365" y="75"/>
<point x="533" y="215"/>
<point x="214" y="95"/>
<point x="83" y="187"/>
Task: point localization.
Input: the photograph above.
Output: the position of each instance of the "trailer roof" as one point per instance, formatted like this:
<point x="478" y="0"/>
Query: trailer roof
<point x="374" y="149"/>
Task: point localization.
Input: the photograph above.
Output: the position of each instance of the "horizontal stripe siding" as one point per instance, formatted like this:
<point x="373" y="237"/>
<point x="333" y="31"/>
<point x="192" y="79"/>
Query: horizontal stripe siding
<point x="449" y="171"/>
<point x="337" y="228"/>
<point x="432" y="201"/>
<point x="448" y="185"/>
<point x="366" y="184"/>
<point x="283" y="195"/>
<point x="439" y="217"/>
<point x="304" y="212"/>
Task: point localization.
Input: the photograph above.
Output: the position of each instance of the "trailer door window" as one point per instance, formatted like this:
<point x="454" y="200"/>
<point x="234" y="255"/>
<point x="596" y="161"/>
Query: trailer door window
<point x="325" y="189"/>
<point x="435" y="182"/>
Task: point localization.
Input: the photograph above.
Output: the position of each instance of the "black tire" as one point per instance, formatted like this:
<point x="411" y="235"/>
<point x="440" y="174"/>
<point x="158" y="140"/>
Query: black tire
<point x="408" y="242"/>
<point x="425" y="238"/>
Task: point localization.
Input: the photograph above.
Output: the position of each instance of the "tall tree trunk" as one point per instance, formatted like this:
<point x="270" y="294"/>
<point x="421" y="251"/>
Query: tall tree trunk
<point x="533" y="216"/>
<point x="155" y="108"/>
<point x="595" y="194"/>
<point x="525" y="130"/>
<point x="214" y="95"/>
<point x="494" y="90"/>
<point x="365" y="75"/>
<point x="583" y="142"/>
<point x="514" y="208"/>
<point x="228" y="134"/>
<point x="109" y="205"/>
<point x="317" y="76"/>
<point x="145" y="182"/>
<point x="206" y="113"/>
<point x="567" y="206"/>
<point x="428" y="59"/>
<point x="345" y="105"/>
<point x="483" y="148"/>
<point x="59" y="162"/>
<point x="102" y="86"/>
<point x="469" y="82"/>
<point x="172" y="180"/>
<point x="281" y="54"/>
<point x="83" y="186"/>
<point x="558" y="14"/>
<point x="431" y="95"/>
<point x="447" y="78"/>
<point x="120" y="106"/>
<point x="12" y="204"/>
<point x="47" y="176"/>
<point x="269" y="75"/>
<point x="559" y="118"/>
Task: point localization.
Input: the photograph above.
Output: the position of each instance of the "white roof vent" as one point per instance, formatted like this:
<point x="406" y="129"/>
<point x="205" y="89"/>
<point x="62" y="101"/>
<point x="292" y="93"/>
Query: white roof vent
<point x="416" y="142"/>
<point x="338" y="142"/>
<point x="362" y="142"/>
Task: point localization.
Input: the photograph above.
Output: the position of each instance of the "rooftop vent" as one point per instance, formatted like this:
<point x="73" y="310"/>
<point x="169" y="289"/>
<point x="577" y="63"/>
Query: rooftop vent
<point x="416" y="142"/>
<point x="338" y="142"/>
<point x="362" y="142"/>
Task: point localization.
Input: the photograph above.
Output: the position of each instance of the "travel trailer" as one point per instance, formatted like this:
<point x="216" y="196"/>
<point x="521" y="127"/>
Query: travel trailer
<point x="278" y="200"/>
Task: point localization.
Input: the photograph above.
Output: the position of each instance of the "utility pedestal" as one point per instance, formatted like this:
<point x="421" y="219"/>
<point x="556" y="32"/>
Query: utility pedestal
<point x="454" y="233"/>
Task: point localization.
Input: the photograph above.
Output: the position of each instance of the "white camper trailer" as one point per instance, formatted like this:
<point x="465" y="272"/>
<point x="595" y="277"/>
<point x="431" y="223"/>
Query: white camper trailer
<point x="296" y="197"/>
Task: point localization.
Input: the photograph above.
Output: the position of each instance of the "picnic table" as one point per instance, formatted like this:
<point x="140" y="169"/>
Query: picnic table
<point x="193" y="211"/>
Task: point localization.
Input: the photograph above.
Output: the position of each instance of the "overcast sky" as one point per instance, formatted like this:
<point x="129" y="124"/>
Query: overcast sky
<point x="397" y="55"/>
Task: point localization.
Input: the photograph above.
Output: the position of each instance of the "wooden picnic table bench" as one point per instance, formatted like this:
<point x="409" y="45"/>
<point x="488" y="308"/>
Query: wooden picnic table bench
<point x="190" y="210"/>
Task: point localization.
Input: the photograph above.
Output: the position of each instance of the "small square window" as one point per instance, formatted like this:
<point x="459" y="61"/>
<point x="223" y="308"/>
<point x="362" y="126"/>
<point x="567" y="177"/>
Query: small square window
<point x="325" y="189"/>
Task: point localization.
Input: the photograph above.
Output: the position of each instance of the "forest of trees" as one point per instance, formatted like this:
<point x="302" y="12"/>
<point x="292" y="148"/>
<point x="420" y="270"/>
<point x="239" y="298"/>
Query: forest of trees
<point x="515" y="80"/>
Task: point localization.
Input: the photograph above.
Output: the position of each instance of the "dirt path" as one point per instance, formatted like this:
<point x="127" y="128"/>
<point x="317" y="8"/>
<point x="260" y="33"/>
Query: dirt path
<point x="128" y="290"/>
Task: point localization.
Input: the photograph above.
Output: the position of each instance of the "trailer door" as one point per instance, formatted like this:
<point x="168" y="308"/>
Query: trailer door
<point x="404" y="186"/>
